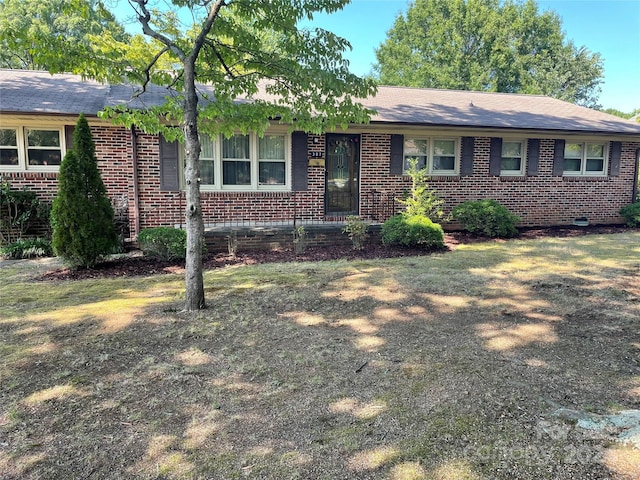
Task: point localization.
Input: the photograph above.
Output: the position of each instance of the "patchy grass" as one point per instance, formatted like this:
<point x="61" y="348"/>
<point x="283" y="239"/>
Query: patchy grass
<point x="440" y="367"/>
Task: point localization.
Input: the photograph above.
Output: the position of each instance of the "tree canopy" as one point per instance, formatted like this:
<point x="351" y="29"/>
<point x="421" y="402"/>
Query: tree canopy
<point x="239" y="48"/>
<point x="52" y="34"/>
<point x="488" y="45"/>
<point x="243" y="47"/>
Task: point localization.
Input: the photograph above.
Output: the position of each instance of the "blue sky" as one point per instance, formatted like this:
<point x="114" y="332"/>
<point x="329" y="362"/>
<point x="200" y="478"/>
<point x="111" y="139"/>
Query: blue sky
<point x="609" y="27"/>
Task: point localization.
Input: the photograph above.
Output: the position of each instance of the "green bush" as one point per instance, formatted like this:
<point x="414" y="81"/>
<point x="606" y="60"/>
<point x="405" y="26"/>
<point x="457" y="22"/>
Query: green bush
<point x="20" y="210"/>
<point x="411" y="231"/>
<point x="27" y="248"/>
<point x="486" y="217"/>
<point x="631" y="214"/>
<point x="166" y="243"/>
<point x="82" y="216"/>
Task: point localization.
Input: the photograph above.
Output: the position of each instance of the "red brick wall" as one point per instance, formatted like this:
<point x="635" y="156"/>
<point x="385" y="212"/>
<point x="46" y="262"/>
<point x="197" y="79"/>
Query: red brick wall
<point x="539" y="200"/>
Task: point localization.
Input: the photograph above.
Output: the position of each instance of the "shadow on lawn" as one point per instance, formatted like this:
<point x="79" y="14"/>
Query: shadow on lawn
<point x="418" y="368"/>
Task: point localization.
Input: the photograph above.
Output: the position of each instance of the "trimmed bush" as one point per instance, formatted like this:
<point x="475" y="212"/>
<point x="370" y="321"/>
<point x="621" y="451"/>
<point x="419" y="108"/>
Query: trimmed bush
<point x="486" y="217"/>
<point x="27" y="248"/>
<point x="631" y="214"/>
<point x="82" y="216"/>
<point x="166" y="243"/>
<point x="412" y="231"/>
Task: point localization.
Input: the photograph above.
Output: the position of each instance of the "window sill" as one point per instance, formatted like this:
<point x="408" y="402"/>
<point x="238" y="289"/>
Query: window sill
<point x="29" y="173"/>
<point x="584" y="178"/>
<point x="453" y="177"/>
<point x="245" y="193"/>
<point x="513" y="178"/>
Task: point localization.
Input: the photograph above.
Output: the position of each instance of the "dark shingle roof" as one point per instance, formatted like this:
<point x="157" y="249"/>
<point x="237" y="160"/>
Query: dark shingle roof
<point x="24" y="91"/>
<point x="496" y="110"/>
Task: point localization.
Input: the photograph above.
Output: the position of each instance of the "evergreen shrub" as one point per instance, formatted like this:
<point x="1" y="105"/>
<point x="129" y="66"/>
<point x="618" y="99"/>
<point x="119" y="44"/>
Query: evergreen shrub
<point x="82" y="215"/>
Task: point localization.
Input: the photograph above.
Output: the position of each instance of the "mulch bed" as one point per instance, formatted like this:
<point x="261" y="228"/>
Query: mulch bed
<point x="136" y="264"/>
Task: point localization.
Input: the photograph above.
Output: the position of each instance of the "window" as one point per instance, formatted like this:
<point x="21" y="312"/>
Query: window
<point x="415" y="149"/>
<point x="271" y="160"/>
<point x="236" y="161"/>
<point x="43" y="147"/>
<point x="244" y="162"/>
<point x="207" y="161"/>
<point x="585" y="158"/>
<point x="9" y="148"/>
<point x="512" y="160"/>
<point x="438" y="155"/>
<point x="31" y="148"/>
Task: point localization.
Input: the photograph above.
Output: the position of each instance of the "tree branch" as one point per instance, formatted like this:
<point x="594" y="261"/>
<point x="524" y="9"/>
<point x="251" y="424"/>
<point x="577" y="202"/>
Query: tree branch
<point x="206" y="28"/>
<point x="220" y="59"/>
<point x="144" y="17"/>
<point x="147" y="71"/>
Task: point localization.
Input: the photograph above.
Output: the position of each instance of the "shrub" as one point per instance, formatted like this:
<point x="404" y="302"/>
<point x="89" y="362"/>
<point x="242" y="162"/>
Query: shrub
<point x="631" y="214"/>
<point x="356" y="229"/>
<point x="19" y="211"/>
<point x="421" y="200"/>
<point x="486" y="217"/>
<point x="166" y="243"/>
<point x="82" y="216"/>
<point x="411" y="231"/>
<point x="27" y="248"/>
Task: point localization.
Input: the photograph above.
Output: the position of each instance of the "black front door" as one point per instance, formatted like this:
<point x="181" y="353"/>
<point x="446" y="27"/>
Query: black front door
<point x="343" y="170"/>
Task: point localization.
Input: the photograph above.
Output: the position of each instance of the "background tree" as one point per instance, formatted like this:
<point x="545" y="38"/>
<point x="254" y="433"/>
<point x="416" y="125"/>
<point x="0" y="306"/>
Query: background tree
<point x="82" y="215"/>
<point x="52" y="35"/>
<point x="488" y="45"/>
<point x="239" y="48"/>
<point x="621" y="114"/>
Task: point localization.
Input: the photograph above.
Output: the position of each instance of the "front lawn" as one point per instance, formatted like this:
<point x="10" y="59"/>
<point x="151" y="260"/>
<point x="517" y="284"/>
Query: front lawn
<point x="448" y="366"/>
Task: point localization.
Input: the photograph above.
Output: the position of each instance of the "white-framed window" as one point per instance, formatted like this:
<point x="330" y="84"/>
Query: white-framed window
<point x="245" y="162"/>
<point x="207" y="161"/>
<point x="512" y="161"/>
<point x="272" y="160"/>
<point x="31" y="148"/>
<point x="9" y="152"/>
<point x="585" y="158"/>
<point x="440" y="156"/>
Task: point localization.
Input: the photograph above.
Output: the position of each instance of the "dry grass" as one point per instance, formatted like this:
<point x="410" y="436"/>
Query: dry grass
<point x="441" y="367"/>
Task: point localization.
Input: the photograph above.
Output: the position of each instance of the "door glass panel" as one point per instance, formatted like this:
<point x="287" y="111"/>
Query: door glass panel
<point x="342" y="157"/>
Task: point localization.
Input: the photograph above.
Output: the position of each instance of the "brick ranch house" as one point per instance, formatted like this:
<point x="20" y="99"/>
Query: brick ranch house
<point x="548" y="161"/>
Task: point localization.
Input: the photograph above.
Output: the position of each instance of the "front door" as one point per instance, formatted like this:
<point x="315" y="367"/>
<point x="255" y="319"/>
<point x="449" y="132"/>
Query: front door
<point x="343" y="167"/>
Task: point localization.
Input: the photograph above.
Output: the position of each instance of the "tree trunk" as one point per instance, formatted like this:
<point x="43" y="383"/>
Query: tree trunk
<point x="194" y="296"/>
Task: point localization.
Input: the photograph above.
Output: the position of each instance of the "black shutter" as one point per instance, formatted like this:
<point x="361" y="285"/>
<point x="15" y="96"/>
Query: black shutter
<point x="558" y="158"/>
<point x="466" y="164"/>
<point x="169" y="169"/>
<point x="396" y="163"/>
<point x="495" y="157"/>
<point x="614" y="158"/>
<point x="533" y="156"/>
<point x="299" y="161"/>
<point x="68" y="136"/>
